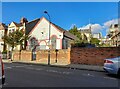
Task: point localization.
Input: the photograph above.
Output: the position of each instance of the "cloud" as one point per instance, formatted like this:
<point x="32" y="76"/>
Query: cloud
<point x="108" y="23"/>
<point x="95" y="28"/>
<point x="84" y="27"/>
<point x="72" y="25"/>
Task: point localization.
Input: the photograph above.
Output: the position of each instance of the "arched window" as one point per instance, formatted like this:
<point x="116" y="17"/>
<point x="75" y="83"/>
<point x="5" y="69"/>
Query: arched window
<point x="33" y="43"/>
<point x="53" y="42"/>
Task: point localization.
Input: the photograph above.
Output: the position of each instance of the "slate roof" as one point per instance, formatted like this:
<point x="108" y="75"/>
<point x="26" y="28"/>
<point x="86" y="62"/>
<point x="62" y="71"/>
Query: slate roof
<point x="31" y="25"/>
<point x="85" y="30"/>
<point x="69" y="35"/>
<point x="66" y="33"/>
<point x="3" y="26"/>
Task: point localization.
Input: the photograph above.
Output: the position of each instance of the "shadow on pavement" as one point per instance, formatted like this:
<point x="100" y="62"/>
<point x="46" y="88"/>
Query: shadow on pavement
<point x="113" y="76"/>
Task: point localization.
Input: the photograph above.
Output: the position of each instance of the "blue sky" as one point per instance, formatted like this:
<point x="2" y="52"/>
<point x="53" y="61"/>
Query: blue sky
<point x="64" y="14"/>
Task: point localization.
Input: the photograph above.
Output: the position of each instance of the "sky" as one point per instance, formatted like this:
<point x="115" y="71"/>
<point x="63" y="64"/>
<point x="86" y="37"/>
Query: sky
<point x="98" y="15"/>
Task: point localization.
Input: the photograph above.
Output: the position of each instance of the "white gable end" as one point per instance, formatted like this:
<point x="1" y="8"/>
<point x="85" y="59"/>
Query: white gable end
<point x="41" y="33"/>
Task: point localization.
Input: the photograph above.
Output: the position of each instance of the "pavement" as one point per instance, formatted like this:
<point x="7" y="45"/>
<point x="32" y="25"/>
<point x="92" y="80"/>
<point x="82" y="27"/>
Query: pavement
<point x="71" y="66"/>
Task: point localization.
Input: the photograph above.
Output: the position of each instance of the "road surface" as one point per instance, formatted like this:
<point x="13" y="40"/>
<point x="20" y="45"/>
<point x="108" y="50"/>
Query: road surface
<point x="24" y="75"/>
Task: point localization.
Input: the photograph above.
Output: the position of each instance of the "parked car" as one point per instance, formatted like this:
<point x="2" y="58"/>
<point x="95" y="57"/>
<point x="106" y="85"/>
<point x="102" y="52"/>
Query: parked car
<point x="112" y="65"/>
<point x="2" y="76"/>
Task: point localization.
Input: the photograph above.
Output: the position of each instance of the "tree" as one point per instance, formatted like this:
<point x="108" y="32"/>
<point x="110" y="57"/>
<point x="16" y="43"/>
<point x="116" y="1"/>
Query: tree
<point x="75" y="32"/>
<point x="95" y="41"/>
<point x="82" y="38"/>
<point x="15" y="38"/>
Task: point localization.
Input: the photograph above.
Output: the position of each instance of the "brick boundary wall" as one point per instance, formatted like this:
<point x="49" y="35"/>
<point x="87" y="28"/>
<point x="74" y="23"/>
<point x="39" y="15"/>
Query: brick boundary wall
<point x="61" y="56"/>
<point x="93" y="56"/>
<point x="15" y="56"/>
<point x="22" y="56"/>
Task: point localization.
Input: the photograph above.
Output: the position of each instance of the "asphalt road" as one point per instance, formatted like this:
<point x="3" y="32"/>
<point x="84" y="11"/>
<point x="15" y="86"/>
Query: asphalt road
<point x="23" y="75"/>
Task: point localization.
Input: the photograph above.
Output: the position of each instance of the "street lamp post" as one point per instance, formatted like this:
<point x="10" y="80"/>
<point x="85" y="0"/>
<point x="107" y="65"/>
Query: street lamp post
<point x="49" y="37"/>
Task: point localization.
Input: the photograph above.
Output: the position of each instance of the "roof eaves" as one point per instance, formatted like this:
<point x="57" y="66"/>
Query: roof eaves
<point x="58" y="27"/>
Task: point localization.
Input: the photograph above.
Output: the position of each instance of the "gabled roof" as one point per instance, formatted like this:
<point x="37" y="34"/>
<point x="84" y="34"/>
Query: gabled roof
<point x="31" y="25"/>
<point x="61" y="29"/>
<point x="69" y="35"/>
<point x="17" y="24"/>
<point x="3" y="26"/>
<point x="66" y="33"/>
<point x="85" y="30"/>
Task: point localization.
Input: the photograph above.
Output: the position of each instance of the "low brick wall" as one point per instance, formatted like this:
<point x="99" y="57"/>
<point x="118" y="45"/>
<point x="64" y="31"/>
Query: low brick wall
<point x="26" y="55"/>
<point x="16" y="55"/>
<point x="22" y="56"/>
<point x="92" y="56"/>
<point x="60" y="56"/>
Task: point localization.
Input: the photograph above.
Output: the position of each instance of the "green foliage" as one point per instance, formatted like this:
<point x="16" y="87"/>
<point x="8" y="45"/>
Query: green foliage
<point x="82" y="38"/>
<point x="75" y="32"/>
<point x="15" y="38"/>
<point x="4" y="52"/>
<point x="78" y="44"/>
<point x="95" y="41"/>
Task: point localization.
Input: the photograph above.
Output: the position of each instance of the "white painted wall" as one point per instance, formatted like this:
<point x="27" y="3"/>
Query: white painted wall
<point x="1" y="41"/>
<point x="58" y="41"/>
<point x="1" y="46"/>
<point x="96" y="36"/>
<point x="11" y="27"/>
<point x="41" y="32"/>
<point x="88" y="36"/>
<point x="1" y="33"/>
